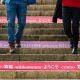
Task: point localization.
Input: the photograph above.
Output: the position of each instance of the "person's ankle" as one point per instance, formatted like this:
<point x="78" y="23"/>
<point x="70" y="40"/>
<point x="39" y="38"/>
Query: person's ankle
<point x="12" y="48"/>
<point x="18" y="44"/>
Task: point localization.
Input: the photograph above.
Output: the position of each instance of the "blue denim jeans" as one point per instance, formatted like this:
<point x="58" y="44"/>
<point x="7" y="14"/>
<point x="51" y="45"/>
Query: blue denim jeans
<point x="13" y="10"/>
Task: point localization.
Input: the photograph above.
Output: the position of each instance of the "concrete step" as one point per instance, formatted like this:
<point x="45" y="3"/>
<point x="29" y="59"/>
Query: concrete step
<point x="38" y="25"/>
<point x="33" y="13"/>
<point x="39" y="57"/>
<point x="39" y="37"/>
<point x="34" y="7"/>
<point x="48" y="2"/>
<point x="29" y="13"/>
<point x="45" y="2"/>
<point x="38" y="31"/>
<point x="35" y="10"/>
<point x="41" y="75"/>
<point x="40" y="51"/>
<point x="39" y="13"/>
<point x="41" y="7"/>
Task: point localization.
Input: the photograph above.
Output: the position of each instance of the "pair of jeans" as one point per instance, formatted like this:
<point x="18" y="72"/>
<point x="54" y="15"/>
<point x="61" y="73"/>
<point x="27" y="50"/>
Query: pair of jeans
<point x="12" y="11"/>
<point x="71" y="17"/>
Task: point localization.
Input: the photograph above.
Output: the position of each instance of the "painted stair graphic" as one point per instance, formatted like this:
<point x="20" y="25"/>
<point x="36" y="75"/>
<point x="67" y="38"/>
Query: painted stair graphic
<point x="39" y="44"/>
<point x="32" y="74"/>
<point x="33" y="19"/>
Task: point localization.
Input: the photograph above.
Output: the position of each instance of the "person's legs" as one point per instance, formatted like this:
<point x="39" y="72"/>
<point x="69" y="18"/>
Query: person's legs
<point x="21" y="15"/>
<point x="67" y="14"/>
<point x="75" y="28"/>
<point x="67" y="17"/>
<point x="72" y="28"/>
<point x="11" y="13"/>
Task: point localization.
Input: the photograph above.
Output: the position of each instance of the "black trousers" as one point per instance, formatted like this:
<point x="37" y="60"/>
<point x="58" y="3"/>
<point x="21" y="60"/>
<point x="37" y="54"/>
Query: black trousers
<point x="71" y="17"/>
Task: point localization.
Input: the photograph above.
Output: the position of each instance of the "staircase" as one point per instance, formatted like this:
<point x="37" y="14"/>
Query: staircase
<point x="41" y="41"/>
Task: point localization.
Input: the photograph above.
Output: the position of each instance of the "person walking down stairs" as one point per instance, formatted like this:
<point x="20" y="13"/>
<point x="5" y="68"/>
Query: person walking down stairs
<point x="71" y="17"/>
<point x="16" y="8"/>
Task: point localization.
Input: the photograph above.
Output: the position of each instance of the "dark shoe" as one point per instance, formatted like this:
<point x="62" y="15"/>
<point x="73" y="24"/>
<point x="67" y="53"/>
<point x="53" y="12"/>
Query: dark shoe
<point x="12" y="48"/>
<point x="71" y="43"/>
<point x="54" y="20"/>
<point x="18" y="44"/>
<point x="75" y="46"/>
<point x="75" y="50"/>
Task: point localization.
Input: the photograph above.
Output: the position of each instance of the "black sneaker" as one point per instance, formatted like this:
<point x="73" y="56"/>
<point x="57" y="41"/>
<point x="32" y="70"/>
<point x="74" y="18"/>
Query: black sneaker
<point x="75" y="51"/>
<point x="54" y="20"/>
<point x="71" y="43"/>
<point x="18" y="44"/>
